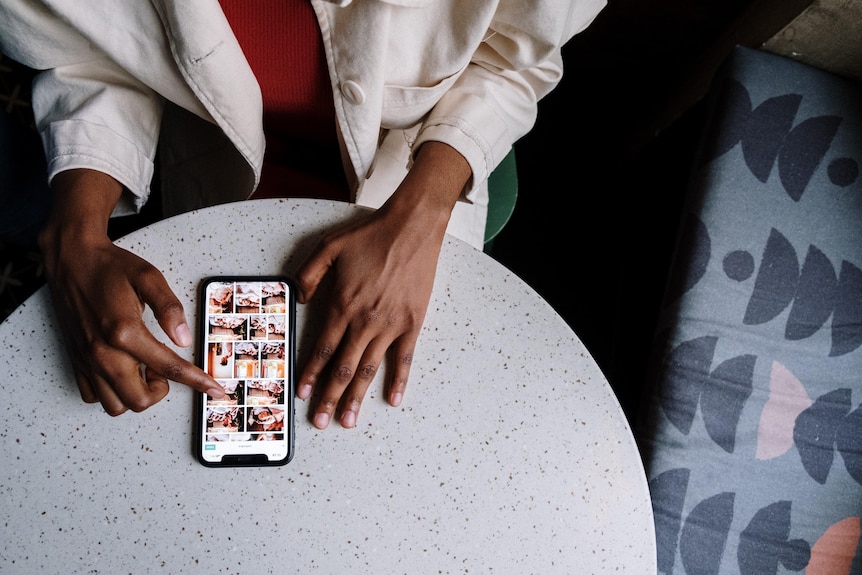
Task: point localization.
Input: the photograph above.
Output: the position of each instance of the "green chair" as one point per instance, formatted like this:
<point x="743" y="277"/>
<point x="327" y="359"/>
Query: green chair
<point x="502" y="195"/>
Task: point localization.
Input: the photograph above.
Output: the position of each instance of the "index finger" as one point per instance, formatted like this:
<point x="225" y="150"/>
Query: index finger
<point x="142" y="345"/>
<point x="154" y="291"/>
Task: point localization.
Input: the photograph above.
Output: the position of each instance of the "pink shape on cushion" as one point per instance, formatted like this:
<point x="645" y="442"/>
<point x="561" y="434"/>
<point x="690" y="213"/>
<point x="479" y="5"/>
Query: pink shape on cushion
<point x="833" y="553"/>
<point x="787" y="399"/>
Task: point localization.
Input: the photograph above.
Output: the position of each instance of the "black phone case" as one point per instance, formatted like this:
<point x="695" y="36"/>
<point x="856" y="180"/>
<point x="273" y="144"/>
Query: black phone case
<point x="250" y="460"/>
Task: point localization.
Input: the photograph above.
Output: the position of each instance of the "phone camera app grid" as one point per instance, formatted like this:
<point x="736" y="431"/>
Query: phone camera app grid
<point x="245" y="353"/>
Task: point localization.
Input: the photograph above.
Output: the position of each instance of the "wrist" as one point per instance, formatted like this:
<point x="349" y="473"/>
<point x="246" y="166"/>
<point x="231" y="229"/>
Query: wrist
<point x="432" y="186"/>
<point x="82" y="203"/>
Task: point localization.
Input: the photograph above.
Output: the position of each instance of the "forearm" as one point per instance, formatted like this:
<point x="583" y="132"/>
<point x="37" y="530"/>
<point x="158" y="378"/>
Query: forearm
<point x="432" y="186"/>
<point x="94" y="116"/>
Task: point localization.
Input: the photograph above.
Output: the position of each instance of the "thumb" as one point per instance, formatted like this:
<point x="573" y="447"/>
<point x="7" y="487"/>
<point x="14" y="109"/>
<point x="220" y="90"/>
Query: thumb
<point x="312" y="271"/>
<point x="167" y="308"/>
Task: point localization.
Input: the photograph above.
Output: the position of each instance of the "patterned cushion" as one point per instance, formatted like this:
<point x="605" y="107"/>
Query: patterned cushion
<point x="751" y="429"/>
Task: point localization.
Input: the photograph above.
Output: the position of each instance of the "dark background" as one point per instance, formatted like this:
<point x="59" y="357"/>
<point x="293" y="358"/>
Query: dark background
<point x="603" y="174"/>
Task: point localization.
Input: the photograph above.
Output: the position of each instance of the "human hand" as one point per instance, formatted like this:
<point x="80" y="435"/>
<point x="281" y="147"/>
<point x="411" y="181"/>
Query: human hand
<point x="378" y="300"/>
<point x="99" y="292"/>
<point x="383" y="270"/>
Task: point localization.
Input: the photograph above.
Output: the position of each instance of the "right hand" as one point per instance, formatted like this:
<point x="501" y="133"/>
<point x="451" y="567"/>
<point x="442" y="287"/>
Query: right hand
<point x="100" y="292"/>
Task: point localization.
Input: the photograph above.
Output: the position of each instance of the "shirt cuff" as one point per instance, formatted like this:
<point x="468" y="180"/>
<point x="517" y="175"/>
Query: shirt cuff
<point x="72" y="144"/>
<point x="483" y="151"/>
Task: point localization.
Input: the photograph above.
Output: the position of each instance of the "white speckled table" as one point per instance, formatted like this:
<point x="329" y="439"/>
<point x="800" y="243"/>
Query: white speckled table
<point x="510" y="453"/>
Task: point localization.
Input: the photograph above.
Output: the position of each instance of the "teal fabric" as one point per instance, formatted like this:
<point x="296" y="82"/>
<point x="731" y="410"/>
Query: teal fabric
<point x="502" y="195"/>
<point x="751" y="429"/>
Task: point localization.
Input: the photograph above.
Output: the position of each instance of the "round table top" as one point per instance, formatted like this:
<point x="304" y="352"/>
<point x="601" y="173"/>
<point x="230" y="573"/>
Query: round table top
<point x="509" y="454"/>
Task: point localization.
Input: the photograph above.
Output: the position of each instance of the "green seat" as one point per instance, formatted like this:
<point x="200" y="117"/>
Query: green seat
<point x="502" y="195"/>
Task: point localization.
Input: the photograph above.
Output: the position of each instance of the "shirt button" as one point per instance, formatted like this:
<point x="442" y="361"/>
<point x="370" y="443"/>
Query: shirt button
<point x="353" y="92"/>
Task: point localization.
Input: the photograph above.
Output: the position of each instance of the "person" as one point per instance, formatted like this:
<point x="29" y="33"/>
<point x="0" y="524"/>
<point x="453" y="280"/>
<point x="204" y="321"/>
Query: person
<point x="423" y="97"/>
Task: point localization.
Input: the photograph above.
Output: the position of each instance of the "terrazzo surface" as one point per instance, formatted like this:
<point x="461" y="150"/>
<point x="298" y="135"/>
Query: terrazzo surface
<point x="510" y="453"/>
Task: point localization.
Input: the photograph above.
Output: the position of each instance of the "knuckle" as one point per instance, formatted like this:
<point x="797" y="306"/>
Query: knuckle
<point x="121" y="334"/>
<point x="327" y="404"/>
<point x="371" y="316"/>
<point x="399" y="384"/>
<point x="138" y="404"/>
<point x="98" y="352"/>
<point x="344" y="305"/>
<point x="325" y="352"/>
<point x="352" y="403"/>
<point x="114" y="411"/>
<point x="368" y="370"/>
<point x="343" y="373"/>
<point x="168" y="308"/>
<point x="173" y="371"/>
<point x="304" y="282"/>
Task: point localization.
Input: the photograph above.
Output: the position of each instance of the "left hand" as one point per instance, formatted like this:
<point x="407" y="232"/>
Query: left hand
<point x="384" y="267"/>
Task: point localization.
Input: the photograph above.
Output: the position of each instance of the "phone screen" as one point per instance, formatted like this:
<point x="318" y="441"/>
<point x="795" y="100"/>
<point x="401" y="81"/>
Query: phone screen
<point x="247" y="346"/>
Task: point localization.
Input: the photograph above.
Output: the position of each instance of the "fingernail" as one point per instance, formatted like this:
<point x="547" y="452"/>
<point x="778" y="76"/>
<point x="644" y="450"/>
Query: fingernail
<point x="216" y="392"/>
<point x="348" y="419"/>
<point x="184" y="335"/>
<point x="396" y="399"/>
<point x="304" y="391"/>
<point x="321" y="420"/>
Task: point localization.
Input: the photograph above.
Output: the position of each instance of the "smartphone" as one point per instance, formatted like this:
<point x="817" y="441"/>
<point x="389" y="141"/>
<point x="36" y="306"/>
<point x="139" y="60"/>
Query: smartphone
<point x="246" y="337"/>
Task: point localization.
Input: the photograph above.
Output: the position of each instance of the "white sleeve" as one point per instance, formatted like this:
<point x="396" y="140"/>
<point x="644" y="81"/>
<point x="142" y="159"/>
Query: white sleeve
<point x="89" y="112"/>
<point x="95" y="116"/>
<point x="494" y="102"/>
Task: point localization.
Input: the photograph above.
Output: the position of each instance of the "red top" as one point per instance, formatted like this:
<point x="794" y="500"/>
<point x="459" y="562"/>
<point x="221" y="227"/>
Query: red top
<point x="282" y="43"/>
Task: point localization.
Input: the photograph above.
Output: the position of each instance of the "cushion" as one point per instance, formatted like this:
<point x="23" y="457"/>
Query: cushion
<point x="751" y="428"/>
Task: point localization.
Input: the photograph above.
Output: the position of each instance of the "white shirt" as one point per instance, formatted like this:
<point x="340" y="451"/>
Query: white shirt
<point x="124" y="78"/>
